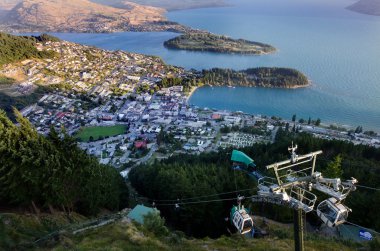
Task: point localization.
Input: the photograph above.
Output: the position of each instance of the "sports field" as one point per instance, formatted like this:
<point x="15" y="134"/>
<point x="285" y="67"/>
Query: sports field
<point x="85" y="133"/>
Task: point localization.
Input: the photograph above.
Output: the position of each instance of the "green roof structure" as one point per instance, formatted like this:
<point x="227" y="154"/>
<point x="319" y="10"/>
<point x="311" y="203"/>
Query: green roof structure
<point x="137" y="214"/>
<point x="241" y="157"/>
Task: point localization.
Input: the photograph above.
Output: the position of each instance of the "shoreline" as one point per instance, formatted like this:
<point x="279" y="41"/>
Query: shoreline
<point x="188" y="95"/>
<point x="206" y="6"/>
<point x="325" y="125"/>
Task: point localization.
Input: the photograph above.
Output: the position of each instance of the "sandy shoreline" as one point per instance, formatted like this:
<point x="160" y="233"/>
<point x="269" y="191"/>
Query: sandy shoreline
<point x="193" y="89"/>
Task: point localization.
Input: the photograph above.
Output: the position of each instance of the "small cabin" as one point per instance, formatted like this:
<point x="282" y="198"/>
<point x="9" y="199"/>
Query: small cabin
<point x="332" y="212"/>
<point x="241" y="220"/>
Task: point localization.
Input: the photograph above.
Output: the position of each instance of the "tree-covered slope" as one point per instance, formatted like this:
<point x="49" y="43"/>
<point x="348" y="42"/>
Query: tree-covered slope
<point x="17" y="48"/>
<point x="188" y="176"/>
<point x="52" y="173"/>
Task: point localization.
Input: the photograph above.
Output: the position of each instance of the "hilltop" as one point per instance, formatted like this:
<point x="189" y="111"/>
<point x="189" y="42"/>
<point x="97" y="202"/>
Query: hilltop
<point x="84" y="16"/>
<point x="369" y="7"/>
<point x="16" y="48"/>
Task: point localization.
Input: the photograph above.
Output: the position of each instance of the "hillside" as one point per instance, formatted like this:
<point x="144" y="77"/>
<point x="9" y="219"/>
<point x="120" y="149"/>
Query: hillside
<point x="82" y="16"/>
<point x="167" y="4"/>
<point x="21" y="232"/>
<point x="369" y="7"/>
<point x="16" y="48"/>
<point x="8" y="4"/>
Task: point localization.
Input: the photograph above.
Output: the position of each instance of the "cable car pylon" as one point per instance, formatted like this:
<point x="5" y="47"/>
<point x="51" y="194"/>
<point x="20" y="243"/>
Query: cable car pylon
<point x="292" y="186"/>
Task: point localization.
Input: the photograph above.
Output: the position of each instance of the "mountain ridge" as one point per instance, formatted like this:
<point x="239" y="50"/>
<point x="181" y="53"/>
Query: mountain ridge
<point x="169" y="5"/>
<point x="84" y="16"/>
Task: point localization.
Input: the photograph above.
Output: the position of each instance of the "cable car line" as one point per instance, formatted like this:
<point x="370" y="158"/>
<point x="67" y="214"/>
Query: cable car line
<point x="362" y="227"/>
<point x="371" y="188"/>
<point x="356" y="225"/>
<point x="198" y="197"/>
<point x="195" y="202"/>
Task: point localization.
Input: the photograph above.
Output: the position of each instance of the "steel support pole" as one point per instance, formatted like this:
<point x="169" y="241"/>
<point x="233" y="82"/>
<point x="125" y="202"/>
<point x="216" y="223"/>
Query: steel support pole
<point x="298" y="228"/>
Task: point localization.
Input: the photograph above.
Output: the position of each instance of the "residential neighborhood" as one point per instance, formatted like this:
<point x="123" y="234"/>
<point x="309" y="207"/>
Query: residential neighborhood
<point x="115" y="104"/>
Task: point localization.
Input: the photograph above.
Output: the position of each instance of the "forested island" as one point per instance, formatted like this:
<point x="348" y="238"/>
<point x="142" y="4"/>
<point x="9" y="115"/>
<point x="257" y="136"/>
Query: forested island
<point x="203" y="41"/>
<point x="256" y="77"/>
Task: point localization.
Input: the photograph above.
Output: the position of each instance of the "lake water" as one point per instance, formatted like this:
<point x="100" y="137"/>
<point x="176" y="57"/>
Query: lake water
<point x="337" y="49"/>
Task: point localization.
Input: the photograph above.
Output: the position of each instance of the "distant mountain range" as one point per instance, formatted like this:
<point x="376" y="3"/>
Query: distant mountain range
<point x="79" y="16"/>
<point x="168" y="4"/>
<point x="369" y="7"/>
<point x="165" y="4"/>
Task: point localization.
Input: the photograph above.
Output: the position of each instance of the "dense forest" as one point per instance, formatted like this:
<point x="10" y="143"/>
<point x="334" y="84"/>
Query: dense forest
<point x="16" y="48"/>
<point x="187" y="176"/>
<point x="202" y="41"/>
<point x="262" y="76"/>
<point x="52" y="173"/>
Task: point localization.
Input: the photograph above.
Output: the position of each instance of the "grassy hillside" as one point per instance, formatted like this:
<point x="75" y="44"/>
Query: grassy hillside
<point x="16" y="48"/>
<point x="6" y="81"/>
<point x="19" y="232"/>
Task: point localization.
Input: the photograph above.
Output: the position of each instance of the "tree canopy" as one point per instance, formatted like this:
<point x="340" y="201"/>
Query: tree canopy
<point x="187" y="176"/>
<point x="52" y="172"/>
<point x="17" y="48"/>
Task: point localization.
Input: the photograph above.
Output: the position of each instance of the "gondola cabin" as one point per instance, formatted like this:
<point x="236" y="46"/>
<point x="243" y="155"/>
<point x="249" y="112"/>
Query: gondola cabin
<point x="332" y="212"/>
<point x="241" y="220"/>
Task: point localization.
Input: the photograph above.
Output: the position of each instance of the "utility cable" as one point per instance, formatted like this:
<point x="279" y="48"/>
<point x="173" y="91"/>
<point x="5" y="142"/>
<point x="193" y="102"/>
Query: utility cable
<point x="356" y="225"/>
<point x="195" y="202"/>
<point x="371" y="188"/>
<point x="198" y="197"/>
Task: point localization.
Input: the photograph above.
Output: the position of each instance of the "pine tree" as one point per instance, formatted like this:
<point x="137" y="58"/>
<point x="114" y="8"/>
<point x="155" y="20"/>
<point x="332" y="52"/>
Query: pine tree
<point x="334" y="168"/>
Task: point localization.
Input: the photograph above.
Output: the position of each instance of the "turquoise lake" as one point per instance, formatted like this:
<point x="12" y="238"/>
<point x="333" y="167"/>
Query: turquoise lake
<point x="337" y="49"/>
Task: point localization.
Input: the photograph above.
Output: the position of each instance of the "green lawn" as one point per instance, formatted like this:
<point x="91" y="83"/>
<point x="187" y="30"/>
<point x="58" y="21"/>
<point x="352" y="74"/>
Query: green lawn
<point x="85" y="133"/>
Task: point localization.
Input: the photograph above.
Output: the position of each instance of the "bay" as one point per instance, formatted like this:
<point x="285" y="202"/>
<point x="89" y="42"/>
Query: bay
<point x="337" y="49"/>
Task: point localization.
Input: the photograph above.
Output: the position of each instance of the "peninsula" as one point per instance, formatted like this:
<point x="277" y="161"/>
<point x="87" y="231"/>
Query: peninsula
<point x="204" y="41"/>
<point x="271" y="77"/>
<point x="369" y="7"/>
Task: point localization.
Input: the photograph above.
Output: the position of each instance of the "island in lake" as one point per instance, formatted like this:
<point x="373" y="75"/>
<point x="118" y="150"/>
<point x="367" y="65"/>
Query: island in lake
<point x="204" y="41"/>
<point x="271" y="77"/>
